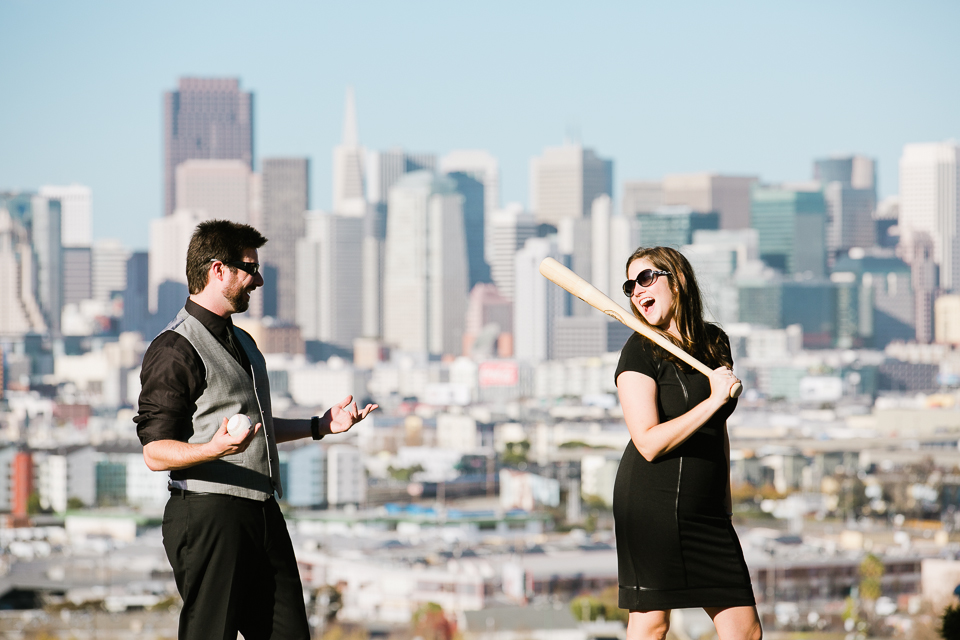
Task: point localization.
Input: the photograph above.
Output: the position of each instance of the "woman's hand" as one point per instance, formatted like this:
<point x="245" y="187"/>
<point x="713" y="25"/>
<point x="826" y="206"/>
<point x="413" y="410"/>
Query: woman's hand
<point x="721" y="382"/>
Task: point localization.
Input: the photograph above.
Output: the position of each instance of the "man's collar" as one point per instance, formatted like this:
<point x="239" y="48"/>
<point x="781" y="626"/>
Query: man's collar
<point x="215" y="324"/>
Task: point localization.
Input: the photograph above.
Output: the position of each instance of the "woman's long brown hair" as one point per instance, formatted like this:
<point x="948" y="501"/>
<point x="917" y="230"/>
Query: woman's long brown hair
<point x="687" y="309"/>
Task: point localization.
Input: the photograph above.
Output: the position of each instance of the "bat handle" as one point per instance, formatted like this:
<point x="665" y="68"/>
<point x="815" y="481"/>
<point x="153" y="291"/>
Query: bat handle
<point x="736" y="390"/>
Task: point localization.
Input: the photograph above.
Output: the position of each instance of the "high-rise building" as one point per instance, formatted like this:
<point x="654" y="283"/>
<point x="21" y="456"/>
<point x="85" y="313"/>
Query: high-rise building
<point x="286" y="196"/>
<point x="19" y="311"/>
<point x="716" y="257"/>
<point x="481" y="166"/>
<point x="169" y="240"/>
<point x="425" y="275"/>
<point x="791" y="223"/>
<point x="76" y="213"/>
<point x="306" y="481"/>
<point x="77" y="274"/>
<point x="728" y="196"/>
<point x="488" y="329"/>
<point x="346" y="480"/>
<point x="136" y="296"/>
<point x="930" y="203"/>
<point x="109" y="268"/>
<point x="509" y="230"/>
<point x="887" y="305"/>
<point x="565" y="180"/>
<point x="46" y="234"/>
<point x="673" y="226"/>
<point x="534" y="321"/>
<point x="222" y="188"/>
<point x="349" y="190"/>
<point x="885" y="219"/>
<point x="850" y="193"/>
<point x="205" y="119"/>
<point x="641" y="196"/>
<point x="328" y="268"/>
<point x="472" y="191"/>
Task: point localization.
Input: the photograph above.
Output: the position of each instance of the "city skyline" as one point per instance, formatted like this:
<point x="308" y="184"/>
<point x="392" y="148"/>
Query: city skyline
<point x="500" y="78"/>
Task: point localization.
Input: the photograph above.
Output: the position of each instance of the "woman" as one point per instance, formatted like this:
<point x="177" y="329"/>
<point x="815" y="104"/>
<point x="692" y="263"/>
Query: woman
<point x="676" y="546"/>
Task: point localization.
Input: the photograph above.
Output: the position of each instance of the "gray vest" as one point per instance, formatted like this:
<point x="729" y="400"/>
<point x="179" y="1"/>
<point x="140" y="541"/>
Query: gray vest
<point x="255" y="473"/>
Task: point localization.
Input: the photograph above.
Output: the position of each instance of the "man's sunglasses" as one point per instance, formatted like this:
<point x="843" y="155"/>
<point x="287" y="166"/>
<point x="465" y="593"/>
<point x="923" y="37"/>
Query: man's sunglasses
<point x="645" y="278"/>
<point x="253" y="268"/>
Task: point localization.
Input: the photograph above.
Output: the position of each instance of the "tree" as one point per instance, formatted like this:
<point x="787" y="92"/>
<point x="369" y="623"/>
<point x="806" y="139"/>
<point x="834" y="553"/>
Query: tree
<point x="430" y="623"/>
<point x="950" y="623"/>
<point x="871" y="574"/>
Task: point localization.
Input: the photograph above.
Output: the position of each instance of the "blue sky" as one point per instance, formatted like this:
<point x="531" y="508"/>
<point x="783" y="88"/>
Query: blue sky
<point x="739" y="87"/>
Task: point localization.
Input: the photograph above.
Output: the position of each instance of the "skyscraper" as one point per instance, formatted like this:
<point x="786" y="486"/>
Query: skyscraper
<point x="565" y="180"/>
<point x="286" y="196"/>
<point x="728" y="196"/>
<point x="930" y="203"/>
<point x="425" y="275"/>
<point x="850" y="193"/>
<point x="136" y="299"/>
<point x="328" y="267"/>
<point x="45" y="236"/>
<point x="169" y="240"/>
<point x="205" y="119"/>
<point x="791" y="223"/>
<point x="472" y="191"/>
<point x="535" y="320"/>
<point x="77" y="274"/>
<point x="109" y="268"/>
<point x="76" y="213"/>
<point x="509" y="230"/>
<point x="222" y="188"/>
<point x="479" y="165"/>
<point x="349" y="191"/>
<point x="19" y="311"/>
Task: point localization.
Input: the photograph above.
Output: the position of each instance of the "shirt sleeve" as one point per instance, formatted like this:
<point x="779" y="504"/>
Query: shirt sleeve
<point x="172" y="377"/>
<point x="638" y="355"/>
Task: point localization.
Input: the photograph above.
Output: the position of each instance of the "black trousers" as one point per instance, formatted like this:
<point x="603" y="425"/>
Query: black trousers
<point x="235" y="569"/>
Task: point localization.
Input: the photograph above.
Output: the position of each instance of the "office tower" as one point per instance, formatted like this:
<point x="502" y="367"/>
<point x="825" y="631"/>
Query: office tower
<point x="509" y="230"/>
<point x="385" y="168"/>
<point x="472" y="191"/>
<point x="169" y="240"/>
<point x="947" y="319"/>
<point x="488" y="329"/>
<point x="603" y="261"/>
<point x="76" y="213"/>
<point x="850" y="193"/>
<point x="136" y="297"/>
<point x="673" y="226"/>
<point x="930" y="203"/>
<point x="222" y="188"/>
<point x="575" y="242"/>
<point x="328" y="268"/>
<point x="77" y="274"/>
<point x="918" y="250"/>
<point x="565" y="180"/>
<point x="286" y="196"/>
<point x="349" y="191"/>
<point x="716" y="257"/>
<point x="45" y="235"/>
<point x="425" y="275"/>
<point x="19" y="311"/>
<point x="641" y="196"/>
<point x="109" y="268"/>
<point x="481" y="166"/>
<point x="887" y="305"/>
<point x="205" y="119"/>
<point x="729" y="196"/>
<point x="885" y="219"/>
<point x="534" y="321"/>
<point x="791" y="223"/>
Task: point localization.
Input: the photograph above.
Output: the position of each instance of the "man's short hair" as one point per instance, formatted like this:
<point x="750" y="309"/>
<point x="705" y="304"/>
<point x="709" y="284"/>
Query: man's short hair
<point x="217" y="240"/>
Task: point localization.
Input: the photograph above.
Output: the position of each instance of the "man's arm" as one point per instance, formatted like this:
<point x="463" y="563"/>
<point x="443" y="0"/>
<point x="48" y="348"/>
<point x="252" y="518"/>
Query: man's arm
<point x="167" y="455"/>
<point x="337" y="419"/>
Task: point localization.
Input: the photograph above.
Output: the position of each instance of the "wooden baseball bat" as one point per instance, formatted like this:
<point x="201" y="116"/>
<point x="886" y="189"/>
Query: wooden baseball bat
<point x="560" y="275"/>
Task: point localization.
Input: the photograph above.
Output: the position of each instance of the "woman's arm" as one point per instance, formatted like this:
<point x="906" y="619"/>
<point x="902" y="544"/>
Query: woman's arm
<point x="638" y="397"/>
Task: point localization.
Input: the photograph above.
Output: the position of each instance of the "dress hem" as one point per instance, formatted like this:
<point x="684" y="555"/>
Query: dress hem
<point x="634" y="599"/>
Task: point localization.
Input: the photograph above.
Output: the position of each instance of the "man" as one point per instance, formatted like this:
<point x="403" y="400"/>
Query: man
<point x="222" y="528"/>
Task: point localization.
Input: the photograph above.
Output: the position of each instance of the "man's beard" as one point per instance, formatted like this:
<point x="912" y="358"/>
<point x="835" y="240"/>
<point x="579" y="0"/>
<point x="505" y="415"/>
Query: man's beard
<point x="235" y="294"/>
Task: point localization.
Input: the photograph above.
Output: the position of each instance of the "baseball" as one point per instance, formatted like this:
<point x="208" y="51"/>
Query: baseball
<point x="238" y="425"/>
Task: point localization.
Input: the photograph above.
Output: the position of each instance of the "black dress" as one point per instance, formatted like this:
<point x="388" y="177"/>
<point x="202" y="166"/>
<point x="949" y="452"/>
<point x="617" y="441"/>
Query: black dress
<point x="676" y="547"/>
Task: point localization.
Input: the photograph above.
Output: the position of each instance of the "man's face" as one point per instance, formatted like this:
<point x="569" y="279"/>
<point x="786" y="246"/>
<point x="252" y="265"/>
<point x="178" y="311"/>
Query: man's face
<point x="240" y="283"/>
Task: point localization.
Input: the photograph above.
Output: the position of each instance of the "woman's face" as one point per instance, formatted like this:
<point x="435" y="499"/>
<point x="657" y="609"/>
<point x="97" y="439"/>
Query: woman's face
<point x="654" y="302"/>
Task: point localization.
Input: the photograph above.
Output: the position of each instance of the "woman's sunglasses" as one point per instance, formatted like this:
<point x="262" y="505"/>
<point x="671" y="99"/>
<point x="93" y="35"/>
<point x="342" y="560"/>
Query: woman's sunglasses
<point x="645" y="278"/>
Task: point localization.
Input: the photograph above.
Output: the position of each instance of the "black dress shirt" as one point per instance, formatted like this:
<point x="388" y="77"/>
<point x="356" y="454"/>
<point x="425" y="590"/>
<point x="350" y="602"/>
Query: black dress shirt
<point x="173" y="377"/>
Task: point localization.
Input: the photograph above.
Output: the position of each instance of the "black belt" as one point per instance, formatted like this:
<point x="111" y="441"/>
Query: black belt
<point x="185" y="492"/>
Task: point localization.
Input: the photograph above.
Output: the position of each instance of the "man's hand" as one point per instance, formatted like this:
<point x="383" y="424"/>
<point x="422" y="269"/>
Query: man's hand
<point x="223" y="444"/>
<point x="166" y="455"/>
<point x="340" y="417"/>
